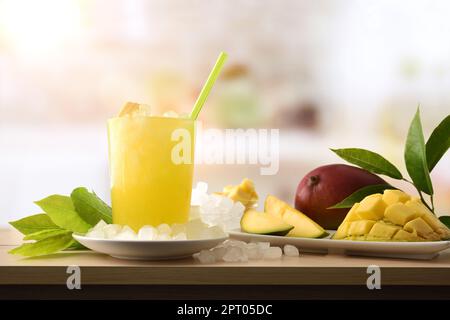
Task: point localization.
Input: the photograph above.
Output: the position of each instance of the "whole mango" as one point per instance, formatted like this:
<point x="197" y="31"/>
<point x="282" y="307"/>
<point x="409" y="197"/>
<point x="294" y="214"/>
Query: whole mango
<point x="328" y="185"/>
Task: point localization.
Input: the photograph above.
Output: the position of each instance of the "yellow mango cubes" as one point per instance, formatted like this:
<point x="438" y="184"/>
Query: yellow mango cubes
<point x="391" y="216"/>
<point x="244" y="192"/>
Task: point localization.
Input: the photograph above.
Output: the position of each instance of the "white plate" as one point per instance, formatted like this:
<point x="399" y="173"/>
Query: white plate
<point x="148" y="250"/>
<point x="407" y="250"/>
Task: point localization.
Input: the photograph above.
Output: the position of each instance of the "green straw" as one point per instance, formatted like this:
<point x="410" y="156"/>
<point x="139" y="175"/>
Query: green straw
<point x="208" y="86"/>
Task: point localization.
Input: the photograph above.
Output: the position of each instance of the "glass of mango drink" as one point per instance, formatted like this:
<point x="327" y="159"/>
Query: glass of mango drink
<point x="151" y="162"/>
<point x="148" y="186"/>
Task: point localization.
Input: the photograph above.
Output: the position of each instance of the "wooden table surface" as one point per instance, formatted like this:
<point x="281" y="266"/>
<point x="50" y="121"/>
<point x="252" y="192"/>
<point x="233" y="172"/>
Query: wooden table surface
<point x="311" y="271"/>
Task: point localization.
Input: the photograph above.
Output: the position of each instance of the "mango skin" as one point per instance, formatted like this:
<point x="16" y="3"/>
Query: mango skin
<point x="392" y="216"/>
<point x="328" y="185"/>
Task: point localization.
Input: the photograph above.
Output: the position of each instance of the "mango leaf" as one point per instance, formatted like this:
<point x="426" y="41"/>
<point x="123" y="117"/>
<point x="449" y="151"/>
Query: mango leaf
<point x="62" y="212"/>
<point x="415" y="156"/>
<point x="438" y="143"/>
<point x="360" y="194"/>
<point x="90" y="207"/>
<point x="44" y="234"/>
<point x="45" y="246"/>
<point x="445" y="220"/>
<point x="370" y="161"/>
<point x="34" y="223"/>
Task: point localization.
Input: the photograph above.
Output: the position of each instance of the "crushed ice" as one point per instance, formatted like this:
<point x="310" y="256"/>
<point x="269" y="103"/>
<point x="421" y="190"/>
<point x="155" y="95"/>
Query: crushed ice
<point x="240" y="251"/>
<point x="215" y="209"/>
<point x="193" y="230"/>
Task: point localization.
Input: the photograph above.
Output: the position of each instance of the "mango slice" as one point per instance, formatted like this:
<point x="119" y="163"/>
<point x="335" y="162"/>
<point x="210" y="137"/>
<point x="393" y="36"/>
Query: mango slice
<point x="264" y="223"/>
<point x="303" y="226"/>
<point x="392" y="216"/>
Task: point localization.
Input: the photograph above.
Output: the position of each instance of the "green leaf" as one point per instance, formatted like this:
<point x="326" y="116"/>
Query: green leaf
<point x="44" y="234"/>
<point x="415" y="156"/>
<point x="445" y="220"/>
<point x="76" y="246"/>
<point x="360" y="194"/>
<point x="34" y="223"/>
<point x="90" y="207"/>
<point x="438" y="143"/>
<point x="62" y="212"/>
<point x="45" y="246"/>
<point x="369" y="160"/>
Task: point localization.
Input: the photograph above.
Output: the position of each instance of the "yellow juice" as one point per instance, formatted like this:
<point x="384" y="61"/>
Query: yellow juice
<point x="148" y="185"/>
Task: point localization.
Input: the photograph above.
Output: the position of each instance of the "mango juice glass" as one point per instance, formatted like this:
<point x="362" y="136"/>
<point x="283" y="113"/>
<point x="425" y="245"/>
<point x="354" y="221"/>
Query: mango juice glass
<point x="147" y="186"/>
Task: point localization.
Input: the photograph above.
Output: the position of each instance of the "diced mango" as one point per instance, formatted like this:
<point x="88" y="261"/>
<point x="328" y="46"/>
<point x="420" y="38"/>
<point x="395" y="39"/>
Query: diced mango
<point x="352" y="215"/>
<point x="244" y="192"/>
<point x="383" y="230"/>
<point x="394" y="196"/>
<point x="422" y="228"/>
<point x="342" y="231"/>
<point x="403" y="235"/>
<point x="399" y="213"/>
<point x="418" y="207"/>
<point x="361" y="227"/>
<point x="371" y="208"/>
<point x="436" y="225"/>
<point x="405" y="218"/>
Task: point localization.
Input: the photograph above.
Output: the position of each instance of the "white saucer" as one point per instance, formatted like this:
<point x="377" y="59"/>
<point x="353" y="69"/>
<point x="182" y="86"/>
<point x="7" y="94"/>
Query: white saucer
<point x="148" y="250"/>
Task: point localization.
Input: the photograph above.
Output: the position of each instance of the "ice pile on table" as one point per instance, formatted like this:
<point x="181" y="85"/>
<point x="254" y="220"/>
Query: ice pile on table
<point x="240" y="251"/>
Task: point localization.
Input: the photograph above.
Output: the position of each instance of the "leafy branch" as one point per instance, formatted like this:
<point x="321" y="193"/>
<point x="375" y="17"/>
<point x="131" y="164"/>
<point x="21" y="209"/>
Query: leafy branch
<point x="52" y="231"/>
<point x="420" y="159"/>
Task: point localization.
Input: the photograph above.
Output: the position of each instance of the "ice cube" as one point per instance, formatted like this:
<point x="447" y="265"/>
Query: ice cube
<point x="235" y="254"/>
<point x="205" y="256"/>
<point x="95" y="233"/>
<point x="194" y="212"/>
<point x="100" y="225"/>
<point x="178" y="228"/>
<point x="237" y="210"/>
<point x="216" y="199"/>
<point x="207" y="206"/>
<point x="163" y="236"/>
<point x="164" y="228"/>
<point x="111" y="230"/>
<point x="126" y="234"/>
<point x="224" y="204"/>
<point x="194" y="228"/>
<point x="147" y="233"/>
<point x="170" y="114"/>
<point x="235" y="243"/>
<point x="230" y="224"/>
<point x="180" y="236"/>
<point x="254" y="252"/>
<point x="202" y="187"/>
<point x="263" y="245"/>
<point x="211" y="233"/>
<point x="273" y="253"/>
<point x="219" y="252"/>
<point x="290" y="251"/>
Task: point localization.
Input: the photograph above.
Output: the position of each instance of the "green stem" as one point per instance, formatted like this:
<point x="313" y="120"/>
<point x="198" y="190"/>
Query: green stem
<point x="432" y="202"/>
<point x="421" y="196"/>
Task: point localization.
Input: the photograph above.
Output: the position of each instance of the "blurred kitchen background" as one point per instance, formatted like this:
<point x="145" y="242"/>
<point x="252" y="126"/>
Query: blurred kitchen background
<point x="326" y="73"/>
